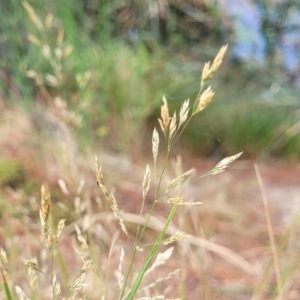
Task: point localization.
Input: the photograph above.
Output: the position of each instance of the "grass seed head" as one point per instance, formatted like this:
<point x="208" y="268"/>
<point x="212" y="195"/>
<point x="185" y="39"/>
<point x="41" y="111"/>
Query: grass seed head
<point x="184" y="111"/>
<point x="209" y="70"/>
<point x="45" y="210"/>
<point x="224" y="163"/>
<point x="176" y="181"/>
<point x="146" y="182"/>
<point x="205" y="99"/>
<point x="165" y="117"/>
<point x="155" y="144"/>
<point x="30" y="264"/>
<point x="173" y="126"/>
<point x="174" y="238"/>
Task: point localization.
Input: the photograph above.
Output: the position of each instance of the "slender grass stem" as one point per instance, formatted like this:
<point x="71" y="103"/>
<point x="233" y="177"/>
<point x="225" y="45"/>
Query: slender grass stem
<point x="151" y="255"/>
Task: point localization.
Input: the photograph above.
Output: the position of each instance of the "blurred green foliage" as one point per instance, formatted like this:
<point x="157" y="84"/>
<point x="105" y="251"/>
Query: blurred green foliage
<point x="125" y="56"/>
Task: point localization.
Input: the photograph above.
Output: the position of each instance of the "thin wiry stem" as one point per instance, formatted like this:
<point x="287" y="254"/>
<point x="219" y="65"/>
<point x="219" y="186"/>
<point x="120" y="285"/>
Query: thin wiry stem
<point x="150" y="256"/>
<point x="271" y="233"/>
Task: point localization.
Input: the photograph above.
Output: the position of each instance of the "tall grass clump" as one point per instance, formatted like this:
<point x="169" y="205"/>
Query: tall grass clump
<point x="172" y="195"/>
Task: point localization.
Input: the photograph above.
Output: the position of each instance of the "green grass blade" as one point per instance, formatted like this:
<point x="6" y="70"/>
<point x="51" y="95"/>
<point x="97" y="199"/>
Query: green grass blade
<point x="5" y="286"/>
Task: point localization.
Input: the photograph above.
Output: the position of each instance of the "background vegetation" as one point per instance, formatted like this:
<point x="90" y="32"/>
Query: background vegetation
<point x="79" y="77"/>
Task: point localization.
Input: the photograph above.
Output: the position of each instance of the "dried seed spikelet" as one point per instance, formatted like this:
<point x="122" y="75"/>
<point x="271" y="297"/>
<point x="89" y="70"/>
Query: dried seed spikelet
<point x="184" y="111"/>
<point x="208" y="70"/>
<point x="51" y="240"/>
<point x="173" y="125"/>
<point x="205" y="99"/>
<point x="34" y="40"/>
<point x="30" y="264"/>
<point x="60" y="37"/>
<point x="80" y="237"/>
<point x="223" y="164"/>
<point x="206" y="73"/>
<point x="218" y="59"/>
<point x="116" y="210"/>
<point x="175" y="182"/>
<point x="155" y="144"/>
<point x="174" y="238"/>
<point x="3" y="256"/>
<point x="100" y="179"/>
<point x="45" y="210"/>
<point x="55" y="287"/>
<point x="48" y="20"/>
<point x="46" y="51"/>
<point x="78" y="282"/>
<point x="32" y="15"/>
<point x="60" y="227"/>
<point x="159" y="280"/>
<point x="120" y="273"/>
<point x="179" y="201"/>
<point x="160" y="259"/>
<point x="67" y="51"/>
<point x="146" y="182"/>
<point x="165" y="117"/>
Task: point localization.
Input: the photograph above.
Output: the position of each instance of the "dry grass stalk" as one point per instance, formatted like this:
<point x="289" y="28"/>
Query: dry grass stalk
<point x="271" y="233"/>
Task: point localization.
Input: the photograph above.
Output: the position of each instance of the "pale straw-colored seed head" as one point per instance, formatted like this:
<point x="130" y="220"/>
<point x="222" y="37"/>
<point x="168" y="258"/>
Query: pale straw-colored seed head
<point x="165" y="117"/>
<point x="48" y="20"/>
<point x="45" y="210"/>
<point x="205" y="99"/>
<point x="174" y="238"/>
<point x="209" y="70"/>
<point x="60" y="227"/>
<point x="34" y="40"/>
<point x="32" y="15"/>
<point x="146" y="182"/>
<point x="206" y="73"/>
<point x="224" y="163"/>
<point x="115" y="208"/>
<point x="51" y="240"/>
<point x="155" y="144"/>
<point x="179" y="201"/>
<point x="80" y="238"/>
<point x="30" y="264"/>
<point x="184" y="111"/>
<point x="60" y="37"/>
<point x="173" y="126"/>
<point x="45" y="203"/>
<point x="55" y="287"/>
<point x="176" y="181"/>
<point x="219" y="59"/>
